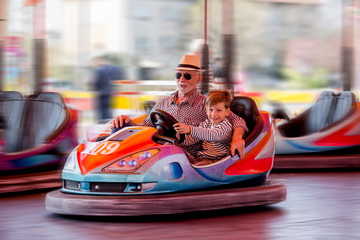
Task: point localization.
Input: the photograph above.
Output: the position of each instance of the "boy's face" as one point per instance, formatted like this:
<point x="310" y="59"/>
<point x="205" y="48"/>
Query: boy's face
<point x="217" y="113"/>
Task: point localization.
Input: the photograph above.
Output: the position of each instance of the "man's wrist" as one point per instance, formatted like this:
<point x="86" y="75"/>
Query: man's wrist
<point x="238" y="133"/>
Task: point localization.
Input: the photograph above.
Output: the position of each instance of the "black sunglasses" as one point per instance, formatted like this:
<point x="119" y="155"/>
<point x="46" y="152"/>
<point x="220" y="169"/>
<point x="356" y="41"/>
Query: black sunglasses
<point x="187" y="76"/>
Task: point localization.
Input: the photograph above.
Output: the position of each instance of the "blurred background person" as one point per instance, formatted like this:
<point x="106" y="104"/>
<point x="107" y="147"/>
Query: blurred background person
<point x="104" y="74"/>
<point x="218" y="69"/>
<point x="196" y="47"/>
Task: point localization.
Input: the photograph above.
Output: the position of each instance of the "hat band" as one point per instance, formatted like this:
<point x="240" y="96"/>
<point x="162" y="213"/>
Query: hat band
<point x="188" y="66"/>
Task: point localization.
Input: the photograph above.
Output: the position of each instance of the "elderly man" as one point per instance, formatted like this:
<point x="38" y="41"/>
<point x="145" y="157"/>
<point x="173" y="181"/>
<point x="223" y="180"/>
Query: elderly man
<point x="188" y="106"/>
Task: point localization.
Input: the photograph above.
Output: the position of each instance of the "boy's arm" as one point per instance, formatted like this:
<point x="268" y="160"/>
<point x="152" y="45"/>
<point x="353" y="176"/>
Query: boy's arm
<point x="219" y="133"/>
<point x="182" y="128"/>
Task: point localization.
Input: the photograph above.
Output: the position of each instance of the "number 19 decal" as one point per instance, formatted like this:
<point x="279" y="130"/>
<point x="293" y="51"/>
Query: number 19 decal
<point x="106" y="148"/>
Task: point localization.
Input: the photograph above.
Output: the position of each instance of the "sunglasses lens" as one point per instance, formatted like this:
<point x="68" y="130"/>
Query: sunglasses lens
<point x="187" y="76"/>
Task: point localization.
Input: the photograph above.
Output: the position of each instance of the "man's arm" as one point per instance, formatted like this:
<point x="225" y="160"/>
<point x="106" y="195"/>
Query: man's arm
<point x="119" y="121"/>
<point x="238" y="142"/>
<point x="123" y="119"/>
<point x="239" y="127"/>
<point x="237" y="121"/>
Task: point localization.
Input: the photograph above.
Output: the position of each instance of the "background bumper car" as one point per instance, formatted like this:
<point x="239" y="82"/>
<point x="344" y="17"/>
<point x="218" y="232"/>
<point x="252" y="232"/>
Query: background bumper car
<point x="327" y="135"/>
<point x="38" y="133"/>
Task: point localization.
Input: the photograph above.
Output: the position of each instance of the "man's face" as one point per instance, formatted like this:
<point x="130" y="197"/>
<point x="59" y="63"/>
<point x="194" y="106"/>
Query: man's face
<point x="187" y="80"/>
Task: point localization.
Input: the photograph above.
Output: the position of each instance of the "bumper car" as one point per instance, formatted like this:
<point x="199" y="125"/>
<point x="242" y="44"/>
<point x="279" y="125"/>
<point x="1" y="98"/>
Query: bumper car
<point x="143" y="171"/>
<point x="325" y="136"/>
<point x="38" y="132"/>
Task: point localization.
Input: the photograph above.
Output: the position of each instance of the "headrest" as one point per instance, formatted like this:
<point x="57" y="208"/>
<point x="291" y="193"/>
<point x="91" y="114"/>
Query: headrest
<point x="10" y="95"/>
<point x="246" y="108"/>
<point x="51" y="97"/>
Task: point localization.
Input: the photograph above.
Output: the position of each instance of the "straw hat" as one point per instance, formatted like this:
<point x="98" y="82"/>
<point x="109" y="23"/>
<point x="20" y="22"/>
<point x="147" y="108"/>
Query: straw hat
<point x="189" y="62"/>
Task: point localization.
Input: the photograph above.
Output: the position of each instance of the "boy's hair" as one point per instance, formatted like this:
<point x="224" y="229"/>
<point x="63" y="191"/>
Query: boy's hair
<point x="219" y="96"/>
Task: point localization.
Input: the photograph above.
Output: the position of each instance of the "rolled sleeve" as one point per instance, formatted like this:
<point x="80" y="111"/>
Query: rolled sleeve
<point x="237" y="121"/>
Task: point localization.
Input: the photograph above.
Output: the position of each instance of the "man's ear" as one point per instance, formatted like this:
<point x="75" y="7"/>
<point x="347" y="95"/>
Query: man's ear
<point x="200" y="78"/>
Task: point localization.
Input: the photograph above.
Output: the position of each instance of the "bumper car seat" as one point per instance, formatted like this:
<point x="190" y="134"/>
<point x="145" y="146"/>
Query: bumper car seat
<point x="246" y="108"/>
<point x="11" y="110"/>
<point x="47" y="115"/>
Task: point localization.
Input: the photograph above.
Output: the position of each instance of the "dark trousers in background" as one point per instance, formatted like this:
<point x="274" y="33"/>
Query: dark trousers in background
<point x="104" y="111"/>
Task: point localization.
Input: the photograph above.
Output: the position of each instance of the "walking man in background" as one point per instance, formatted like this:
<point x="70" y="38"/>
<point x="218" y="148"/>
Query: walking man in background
<point x="104" y="74"/>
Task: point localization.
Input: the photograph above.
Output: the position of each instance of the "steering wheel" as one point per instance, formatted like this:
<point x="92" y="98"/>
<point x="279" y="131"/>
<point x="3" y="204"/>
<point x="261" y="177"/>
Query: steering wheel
<point x="164" y="124"/>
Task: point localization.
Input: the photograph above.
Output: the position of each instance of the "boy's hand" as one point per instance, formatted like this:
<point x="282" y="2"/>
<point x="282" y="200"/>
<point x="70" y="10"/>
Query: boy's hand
<point x="181" y="128"/>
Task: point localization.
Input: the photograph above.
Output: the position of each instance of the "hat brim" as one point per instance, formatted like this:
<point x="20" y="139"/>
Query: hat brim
<point x="189" y="69"/>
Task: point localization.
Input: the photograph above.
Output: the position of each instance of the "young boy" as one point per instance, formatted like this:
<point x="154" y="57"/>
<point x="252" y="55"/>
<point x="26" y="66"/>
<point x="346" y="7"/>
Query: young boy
<point x="215" y="132"/>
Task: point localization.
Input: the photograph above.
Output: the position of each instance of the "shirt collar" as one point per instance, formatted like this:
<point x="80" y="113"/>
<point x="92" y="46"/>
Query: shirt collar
<point x="191" y="100"/>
